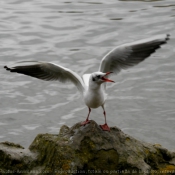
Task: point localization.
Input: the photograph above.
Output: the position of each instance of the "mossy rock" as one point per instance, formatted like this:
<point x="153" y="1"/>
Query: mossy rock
<point x="87" y="150"/>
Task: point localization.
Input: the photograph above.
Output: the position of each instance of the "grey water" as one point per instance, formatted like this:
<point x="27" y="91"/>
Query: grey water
<point x="77" y="34"/>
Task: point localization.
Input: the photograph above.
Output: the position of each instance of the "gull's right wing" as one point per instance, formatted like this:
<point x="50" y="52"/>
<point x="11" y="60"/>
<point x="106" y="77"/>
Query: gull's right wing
<point x="47" y="71"/>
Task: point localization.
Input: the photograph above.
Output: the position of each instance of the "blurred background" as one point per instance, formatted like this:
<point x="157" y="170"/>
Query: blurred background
<point x="77" y="34"/>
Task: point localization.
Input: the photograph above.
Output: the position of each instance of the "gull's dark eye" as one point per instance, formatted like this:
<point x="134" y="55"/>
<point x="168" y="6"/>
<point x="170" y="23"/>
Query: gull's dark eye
<point x="98" y="76"/>
<point x="93" y="79"/>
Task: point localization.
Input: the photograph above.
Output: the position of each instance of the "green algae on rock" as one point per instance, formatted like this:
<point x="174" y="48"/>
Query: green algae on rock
<point x="86" y="150"/>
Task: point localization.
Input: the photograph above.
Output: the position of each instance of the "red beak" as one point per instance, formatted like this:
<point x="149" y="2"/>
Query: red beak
<point x="105" y="79"/>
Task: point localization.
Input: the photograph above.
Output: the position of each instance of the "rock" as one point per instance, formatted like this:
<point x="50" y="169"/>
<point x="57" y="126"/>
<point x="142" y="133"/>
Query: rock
<point x="86" y="150"/>
<point x="14" y="158"/>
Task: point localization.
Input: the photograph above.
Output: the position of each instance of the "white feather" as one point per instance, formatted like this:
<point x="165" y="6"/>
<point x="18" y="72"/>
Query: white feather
<point x="86" y="79"/>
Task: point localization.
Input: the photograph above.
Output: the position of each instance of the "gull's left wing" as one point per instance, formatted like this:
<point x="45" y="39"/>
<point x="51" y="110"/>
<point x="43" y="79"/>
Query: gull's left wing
<point x="128" y="55"/>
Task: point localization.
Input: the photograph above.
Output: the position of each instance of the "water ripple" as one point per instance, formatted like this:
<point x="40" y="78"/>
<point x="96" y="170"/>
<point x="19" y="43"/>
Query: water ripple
<point x="31" y="126"/>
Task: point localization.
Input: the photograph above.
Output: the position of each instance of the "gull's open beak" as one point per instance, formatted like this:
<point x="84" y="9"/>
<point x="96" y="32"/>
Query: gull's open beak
<point x="105" y="79"/>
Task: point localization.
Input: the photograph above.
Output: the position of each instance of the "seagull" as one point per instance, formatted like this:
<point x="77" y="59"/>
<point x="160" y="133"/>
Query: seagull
<point x="92" y="86"/>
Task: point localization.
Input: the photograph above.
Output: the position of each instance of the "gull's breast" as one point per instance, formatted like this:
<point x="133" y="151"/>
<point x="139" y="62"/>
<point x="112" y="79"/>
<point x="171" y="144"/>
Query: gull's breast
<point x="94" y="99"/>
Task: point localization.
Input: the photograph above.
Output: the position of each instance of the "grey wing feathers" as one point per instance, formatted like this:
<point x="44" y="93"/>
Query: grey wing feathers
<point x="47" y="71"/>
<point x="131" y="54"/>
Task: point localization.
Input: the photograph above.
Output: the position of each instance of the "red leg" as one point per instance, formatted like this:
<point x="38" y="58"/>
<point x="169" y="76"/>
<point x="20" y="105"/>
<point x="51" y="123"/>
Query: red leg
<point x="87" y="119"/>
<point x="105" y="127"/>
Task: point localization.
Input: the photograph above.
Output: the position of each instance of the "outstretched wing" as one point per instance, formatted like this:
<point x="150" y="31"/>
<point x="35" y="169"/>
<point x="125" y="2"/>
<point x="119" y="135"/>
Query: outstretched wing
<point x="131" y="54"/>
<point x="47" y="71"/>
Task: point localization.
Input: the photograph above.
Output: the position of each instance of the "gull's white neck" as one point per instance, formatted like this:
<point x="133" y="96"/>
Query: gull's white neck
<point x="94" y="86"/>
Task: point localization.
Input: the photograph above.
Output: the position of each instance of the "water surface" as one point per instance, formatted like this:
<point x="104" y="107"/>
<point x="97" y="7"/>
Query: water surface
<point x="77" y="34"/>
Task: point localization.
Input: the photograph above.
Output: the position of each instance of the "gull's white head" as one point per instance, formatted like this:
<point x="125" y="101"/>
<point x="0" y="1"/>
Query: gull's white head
<point x="99" y="77"/>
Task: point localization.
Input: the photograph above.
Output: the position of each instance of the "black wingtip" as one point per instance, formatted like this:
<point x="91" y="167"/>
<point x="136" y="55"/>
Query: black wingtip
<point x="8" y="69"/>
<point x="164" y="41"/>
<point x="5" y="67"/>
